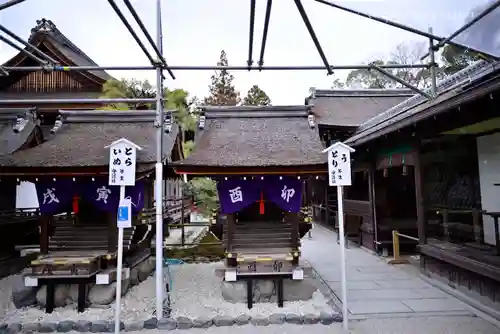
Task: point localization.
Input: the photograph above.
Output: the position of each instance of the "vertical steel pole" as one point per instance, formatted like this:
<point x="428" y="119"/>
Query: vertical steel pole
<point x="159" y="173"/>
<point x="343" y="276"/>
<point x="432" y="68"/>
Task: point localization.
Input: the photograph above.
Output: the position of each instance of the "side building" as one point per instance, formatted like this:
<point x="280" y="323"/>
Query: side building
<point x="435" y="177"/>
<point x="339" y="113"/>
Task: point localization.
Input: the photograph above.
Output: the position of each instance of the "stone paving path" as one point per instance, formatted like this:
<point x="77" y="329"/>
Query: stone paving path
<point x="376" y="288"/>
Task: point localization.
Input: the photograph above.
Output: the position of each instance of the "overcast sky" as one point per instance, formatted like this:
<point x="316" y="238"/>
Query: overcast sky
<point x="195" y="31"/>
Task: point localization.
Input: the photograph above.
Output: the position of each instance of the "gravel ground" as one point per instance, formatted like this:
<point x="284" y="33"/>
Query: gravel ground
<point x="196" y="292"/>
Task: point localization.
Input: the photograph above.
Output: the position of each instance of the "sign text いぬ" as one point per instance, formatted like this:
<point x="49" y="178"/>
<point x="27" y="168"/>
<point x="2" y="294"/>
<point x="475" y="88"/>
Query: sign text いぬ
<point x="122" y="162"/>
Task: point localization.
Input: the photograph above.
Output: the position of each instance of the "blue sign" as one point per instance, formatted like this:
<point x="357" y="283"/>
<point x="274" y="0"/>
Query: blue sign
<point x="124" y="216"/>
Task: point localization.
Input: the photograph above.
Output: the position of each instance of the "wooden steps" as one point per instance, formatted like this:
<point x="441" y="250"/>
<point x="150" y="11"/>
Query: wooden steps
<point x="70" y="236"/>
<point x="262" y="237"/>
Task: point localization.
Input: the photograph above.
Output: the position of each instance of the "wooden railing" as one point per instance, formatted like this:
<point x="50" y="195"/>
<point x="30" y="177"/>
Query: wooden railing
<point x="449" y="225"/>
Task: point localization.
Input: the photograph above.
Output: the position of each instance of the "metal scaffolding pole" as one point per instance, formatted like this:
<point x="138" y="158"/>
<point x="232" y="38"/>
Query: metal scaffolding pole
<point x="211" y="67"/>
<point x="264" y="33"/>
<point x="148" y="36"/>
<point x="26" y="52"/>
<point x="27" y="44"/>
<point x="131" y="30"/>
<point x="396" y="25"/>
<point x="10" y="4"/>
<point x="401" y="81"/>
<point x="432" y="65"/>
<point x="159" y="170"/>
<point x="250" y="33"/>
<point x="308" y="24"/>
<point x="80" y="101"/>
<point x="3" y="72"/>
<point x="469" y="24"/>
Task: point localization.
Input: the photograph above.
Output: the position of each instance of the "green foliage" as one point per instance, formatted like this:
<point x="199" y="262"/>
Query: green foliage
<point x="174" y="99"/>
<point x="204" y="191"/>
<point x="187" y="148"/>
<point x="214" y="252"/>
<point x="124" y="88"/>
<point x="222" y="91"/>
<point x="256" y="97"/>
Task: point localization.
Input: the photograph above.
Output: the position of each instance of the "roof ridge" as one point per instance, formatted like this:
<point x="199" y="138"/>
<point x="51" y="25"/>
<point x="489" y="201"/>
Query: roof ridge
<point x="110" y="116"/>
<point x="476" y="70"/>
<point x="389" y="92"/>
<point x="49" y="28"/>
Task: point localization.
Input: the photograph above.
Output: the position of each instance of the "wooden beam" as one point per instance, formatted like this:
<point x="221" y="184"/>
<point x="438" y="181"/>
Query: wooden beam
<point x="371" y="198"/>
<point x="44" y="233"/>
<point x="419" y="197"/>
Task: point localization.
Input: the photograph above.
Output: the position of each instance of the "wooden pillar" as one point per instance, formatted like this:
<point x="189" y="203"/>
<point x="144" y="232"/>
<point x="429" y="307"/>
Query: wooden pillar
<point x="293" y="219"/>
<point x="371" y="198"/>
<point x="112" y="232"/>
<point x="419" y="196"/>
<point x="327" y="207"/>
<point x="44" y="233"/>
<point x="230" y="221"/>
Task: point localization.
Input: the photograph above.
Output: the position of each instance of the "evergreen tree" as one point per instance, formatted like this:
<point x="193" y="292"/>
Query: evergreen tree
<point x="222" y="90"/>
<point x="256" y="97"/>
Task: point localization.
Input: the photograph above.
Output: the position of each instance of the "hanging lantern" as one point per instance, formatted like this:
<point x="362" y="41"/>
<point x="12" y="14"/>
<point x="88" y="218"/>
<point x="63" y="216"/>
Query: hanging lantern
<point x="405" y="168"/>
<point x="76" y="207"/>
<point x="261" y="205"/>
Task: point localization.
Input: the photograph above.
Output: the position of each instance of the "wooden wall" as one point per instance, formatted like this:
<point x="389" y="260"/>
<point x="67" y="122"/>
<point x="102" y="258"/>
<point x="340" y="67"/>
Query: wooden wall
<point x="47" y="82"/>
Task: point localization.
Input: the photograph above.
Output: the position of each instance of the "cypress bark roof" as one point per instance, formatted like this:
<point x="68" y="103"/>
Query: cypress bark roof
<point x="17" y="126"/>
<point x="256" y="136"/>
<point x="81" y="139"/>
<point x="352" y="107"/>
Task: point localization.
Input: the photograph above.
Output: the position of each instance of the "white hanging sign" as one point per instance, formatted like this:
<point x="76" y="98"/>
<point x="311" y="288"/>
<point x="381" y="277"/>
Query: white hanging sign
<point x="339" y="164"/>
<point x="122" y="161"/>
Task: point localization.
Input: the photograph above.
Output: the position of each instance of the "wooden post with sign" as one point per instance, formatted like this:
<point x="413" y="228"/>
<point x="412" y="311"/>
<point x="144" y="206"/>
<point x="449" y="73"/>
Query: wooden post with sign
<point x="122" y="161"/>
<point x="339" y="175"/>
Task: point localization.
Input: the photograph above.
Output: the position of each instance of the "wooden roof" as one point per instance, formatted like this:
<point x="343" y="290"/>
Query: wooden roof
<point x="479" y="79"/>
<point x="47" y="37"/>
<point x="352" y="107"/>
<point x="81" y="140"/>
<point x="257" y="137"/>
<point x="18" y="127"/>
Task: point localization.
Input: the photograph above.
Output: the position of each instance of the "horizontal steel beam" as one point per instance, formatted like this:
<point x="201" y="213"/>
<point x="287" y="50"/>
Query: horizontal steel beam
<point x="209" y="68"/>
<point x="82" y="101"/>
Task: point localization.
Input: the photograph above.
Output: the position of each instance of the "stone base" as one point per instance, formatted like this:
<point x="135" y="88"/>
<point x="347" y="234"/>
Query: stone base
<point x="67" y="294"/>
<point x="264" y="291"/>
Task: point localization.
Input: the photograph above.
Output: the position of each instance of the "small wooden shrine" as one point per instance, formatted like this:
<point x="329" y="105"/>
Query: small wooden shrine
<point x="19" y="130"/>
<point x="260" y="157"/>
<point x="48" y="84"/>
<point x="78" y="233"/>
